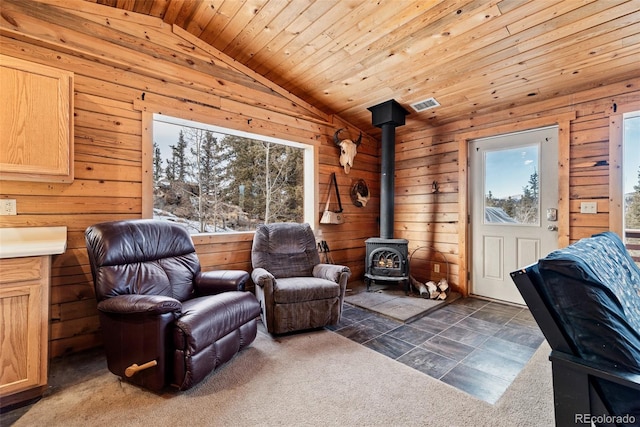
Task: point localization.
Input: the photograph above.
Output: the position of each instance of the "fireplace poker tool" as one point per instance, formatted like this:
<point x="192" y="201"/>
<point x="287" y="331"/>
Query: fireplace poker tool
<point x="323" y="248"/>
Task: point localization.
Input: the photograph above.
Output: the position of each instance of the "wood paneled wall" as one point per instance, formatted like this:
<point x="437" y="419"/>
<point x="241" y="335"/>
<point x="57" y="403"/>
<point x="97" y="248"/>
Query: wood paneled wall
<point x="126" y="65"/>
<point x="432" y="154"/>
<point x="117" y="57"/>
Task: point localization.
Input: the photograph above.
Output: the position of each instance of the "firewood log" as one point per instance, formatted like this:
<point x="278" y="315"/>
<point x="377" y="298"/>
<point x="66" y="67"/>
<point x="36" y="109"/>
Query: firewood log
<point x="413" y="281"/>
<point x="433" y="289"/>
<point x="419" y="287"/>
<point x="443" y="285"/>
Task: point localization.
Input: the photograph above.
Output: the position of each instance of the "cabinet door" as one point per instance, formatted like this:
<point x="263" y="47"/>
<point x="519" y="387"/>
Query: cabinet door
<point x="36" y="120"/>
<point x="24" y="315"/>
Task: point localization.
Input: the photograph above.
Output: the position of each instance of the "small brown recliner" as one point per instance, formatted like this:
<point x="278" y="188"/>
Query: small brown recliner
<point x="295" y="290"/>
<point x="164" y="321"/>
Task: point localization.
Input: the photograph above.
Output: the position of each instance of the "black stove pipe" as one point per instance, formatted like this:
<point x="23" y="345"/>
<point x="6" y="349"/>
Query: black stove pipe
<point x="387" y="116"/>
<point x="387" y="180"/>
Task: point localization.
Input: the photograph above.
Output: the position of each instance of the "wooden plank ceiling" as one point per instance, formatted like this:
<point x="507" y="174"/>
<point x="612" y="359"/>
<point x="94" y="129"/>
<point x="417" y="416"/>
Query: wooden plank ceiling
<point x="474" y="56"/>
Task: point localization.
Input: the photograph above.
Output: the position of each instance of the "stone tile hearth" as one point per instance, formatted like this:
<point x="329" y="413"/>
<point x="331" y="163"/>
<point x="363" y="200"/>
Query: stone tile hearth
<point x="391" y="301"/>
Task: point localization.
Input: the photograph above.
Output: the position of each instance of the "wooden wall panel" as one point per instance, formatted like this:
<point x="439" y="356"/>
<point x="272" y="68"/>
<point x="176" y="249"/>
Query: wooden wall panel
<point x="115" y="61"/>
<point x="430" y="154"/>
<point x="135" y="63"/>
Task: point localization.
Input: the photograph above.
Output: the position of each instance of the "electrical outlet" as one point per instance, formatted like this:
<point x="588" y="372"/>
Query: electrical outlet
<point x="7" y="206"/>
<point x="436" y="268"/>
<point x="589" y="207"/>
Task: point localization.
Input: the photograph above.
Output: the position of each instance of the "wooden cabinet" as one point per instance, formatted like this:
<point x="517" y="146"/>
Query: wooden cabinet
<point x="36" y="122"/>
<point x="24" y="327"/>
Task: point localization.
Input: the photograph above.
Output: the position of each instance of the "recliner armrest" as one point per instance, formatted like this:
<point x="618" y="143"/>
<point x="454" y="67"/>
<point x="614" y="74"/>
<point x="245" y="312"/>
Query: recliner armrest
<point x="261" y="277"/>
<point x="135" y="304"/>
<point x="330" y="271"/>
<point x="218" y="281"/>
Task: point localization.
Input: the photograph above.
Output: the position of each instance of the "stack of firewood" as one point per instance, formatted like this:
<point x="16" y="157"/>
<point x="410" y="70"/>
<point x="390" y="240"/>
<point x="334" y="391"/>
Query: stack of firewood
<point x="430" y="289"/>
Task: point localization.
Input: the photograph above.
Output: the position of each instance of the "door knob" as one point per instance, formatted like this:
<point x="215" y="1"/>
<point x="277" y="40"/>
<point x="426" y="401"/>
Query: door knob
<point x="552" y="228"/>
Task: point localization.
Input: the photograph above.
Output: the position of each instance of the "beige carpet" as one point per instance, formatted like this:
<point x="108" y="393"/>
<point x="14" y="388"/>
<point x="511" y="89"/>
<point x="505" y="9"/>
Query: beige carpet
<point x="312" y="379"/>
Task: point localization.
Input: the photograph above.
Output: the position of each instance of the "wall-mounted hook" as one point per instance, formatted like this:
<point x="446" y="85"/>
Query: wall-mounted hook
<point x="435" y="188"/>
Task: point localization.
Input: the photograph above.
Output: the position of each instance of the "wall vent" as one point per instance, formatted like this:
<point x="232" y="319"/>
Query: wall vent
<point x="425" y="104"/>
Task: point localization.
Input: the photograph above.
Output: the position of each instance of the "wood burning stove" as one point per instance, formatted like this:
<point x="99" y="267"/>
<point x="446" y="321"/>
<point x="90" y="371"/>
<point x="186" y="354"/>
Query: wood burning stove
<point x="387" y="259"/>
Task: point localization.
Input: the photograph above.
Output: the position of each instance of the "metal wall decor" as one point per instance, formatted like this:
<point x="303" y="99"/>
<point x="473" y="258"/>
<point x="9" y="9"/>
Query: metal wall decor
<point x="360" y="193"/>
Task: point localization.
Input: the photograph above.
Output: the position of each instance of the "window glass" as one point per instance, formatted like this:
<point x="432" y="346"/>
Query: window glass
<point x="511" y="186"/>
<point x="216" y="180"/>
<point x="631" y="183"/>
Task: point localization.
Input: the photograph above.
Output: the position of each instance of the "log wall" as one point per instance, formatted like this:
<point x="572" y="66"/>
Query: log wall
<point x="127" y="66"/>
<point x="438" y="220"/>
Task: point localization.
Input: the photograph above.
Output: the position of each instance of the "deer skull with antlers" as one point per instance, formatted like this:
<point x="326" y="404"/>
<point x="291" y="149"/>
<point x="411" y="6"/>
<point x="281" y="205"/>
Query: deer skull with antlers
<point x="348" y="150"/>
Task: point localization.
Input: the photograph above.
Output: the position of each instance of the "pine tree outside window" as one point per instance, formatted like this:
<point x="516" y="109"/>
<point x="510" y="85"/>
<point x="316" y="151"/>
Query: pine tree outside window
<point x="216" y="180"/>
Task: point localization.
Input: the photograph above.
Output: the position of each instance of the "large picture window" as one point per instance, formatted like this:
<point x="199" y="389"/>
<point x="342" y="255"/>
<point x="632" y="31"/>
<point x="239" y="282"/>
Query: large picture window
<point x="216" y="180"/>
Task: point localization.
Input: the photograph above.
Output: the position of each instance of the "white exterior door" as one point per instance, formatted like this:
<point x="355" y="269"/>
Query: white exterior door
<point x="514" y="199"/>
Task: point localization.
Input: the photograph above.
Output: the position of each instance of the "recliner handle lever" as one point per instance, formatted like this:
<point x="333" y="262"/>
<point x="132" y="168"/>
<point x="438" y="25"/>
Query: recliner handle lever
<point x="133" y="369"/>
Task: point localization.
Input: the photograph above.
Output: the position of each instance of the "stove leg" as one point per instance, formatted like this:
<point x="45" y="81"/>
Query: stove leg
<point x="367" y="282"/>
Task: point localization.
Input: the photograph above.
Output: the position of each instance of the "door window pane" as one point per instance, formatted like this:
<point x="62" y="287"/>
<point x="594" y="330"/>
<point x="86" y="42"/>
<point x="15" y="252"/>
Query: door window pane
<point x="511" y="186"/>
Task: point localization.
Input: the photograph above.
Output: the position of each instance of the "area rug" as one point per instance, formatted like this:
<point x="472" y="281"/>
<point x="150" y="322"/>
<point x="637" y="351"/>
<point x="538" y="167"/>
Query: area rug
<point x="310" y="379"/>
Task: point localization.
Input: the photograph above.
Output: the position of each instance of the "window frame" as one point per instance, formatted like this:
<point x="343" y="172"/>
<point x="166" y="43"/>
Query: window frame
<point x="311" y="152"/>
<point x="616" y="163"/>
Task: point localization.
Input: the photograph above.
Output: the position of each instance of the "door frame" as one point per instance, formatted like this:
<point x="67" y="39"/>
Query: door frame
<point x="508" y="254"/>
<point x="563" y="121"/>
<point x="616" y="198"/>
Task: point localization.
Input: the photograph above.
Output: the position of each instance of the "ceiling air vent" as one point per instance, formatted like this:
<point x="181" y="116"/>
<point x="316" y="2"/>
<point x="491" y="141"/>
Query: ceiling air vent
<point x="425" y="104"/>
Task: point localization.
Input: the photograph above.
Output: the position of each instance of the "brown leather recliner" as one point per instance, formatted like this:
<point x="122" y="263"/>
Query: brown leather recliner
<point x="158" y="311"/>
<point x="295" y="290"/>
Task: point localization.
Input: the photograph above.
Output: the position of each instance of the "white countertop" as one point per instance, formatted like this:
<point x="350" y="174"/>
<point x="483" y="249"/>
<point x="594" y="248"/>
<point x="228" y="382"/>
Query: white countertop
<point x="32" y="241"/>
